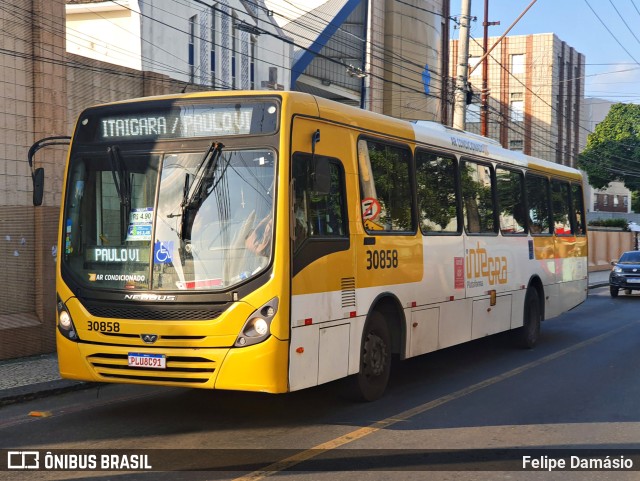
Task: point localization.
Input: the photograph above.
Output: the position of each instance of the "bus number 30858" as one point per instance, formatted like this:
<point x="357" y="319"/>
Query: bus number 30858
<point x="382" y="259"/>
<point x="103" y="326"/>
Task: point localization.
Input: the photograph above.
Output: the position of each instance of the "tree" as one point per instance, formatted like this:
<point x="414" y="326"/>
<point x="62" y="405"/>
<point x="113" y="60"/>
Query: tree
<point x="613" y="149"/>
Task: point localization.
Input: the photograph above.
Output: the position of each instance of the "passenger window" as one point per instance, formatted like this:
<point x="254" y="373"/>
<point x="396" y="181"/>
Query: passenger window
<point x="561" y="207"/>
<point x="477" y="198"/>
<point x="319" y="202"/>
<point x="578" y="209"/>
<point x="538" y="204"/>
<point x="385" y="187"/>
<point x="512" y="213"/>
<point x="437" y="195"/>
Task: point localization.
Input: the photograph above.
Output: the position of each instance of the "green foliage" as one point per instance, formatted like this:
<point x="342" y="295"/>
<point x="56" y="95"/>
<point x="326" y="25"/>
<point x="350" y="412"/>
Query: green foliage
<point x="613" y="148"/>
<point x="635" y="201"/>
<point x="620" y="223"/>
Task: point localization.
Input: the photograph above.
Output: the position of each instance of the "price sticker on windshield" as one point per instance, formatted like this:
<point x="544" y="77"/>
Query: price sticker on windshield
<point x="142" y="215"/>
<point x="140" y="222"/>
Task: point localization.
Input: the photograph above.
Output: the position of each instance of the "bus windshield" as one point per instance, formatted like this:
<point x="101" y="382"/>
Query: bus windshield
<point x="169" y="221"/>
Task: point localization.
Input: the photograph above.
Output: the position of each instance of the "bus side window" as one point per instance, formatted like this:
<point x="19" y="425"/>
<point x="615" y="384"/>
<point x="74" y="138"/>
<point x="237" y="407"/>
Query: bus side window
<point x="561" y="207"/>
<point x="385" y="187"/>
<point x="437" y="193"/>
<point x="477" y="198"/>
<point x="577" y="210"/>
<point x="318" y="214"/>
<point x="512" y="213"/>
<point x="538" y="204"/>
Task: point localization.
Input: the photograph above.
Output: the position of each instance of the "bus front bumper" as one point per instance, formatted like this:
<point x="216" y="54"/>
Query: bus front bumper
<point x="260" y="367"/>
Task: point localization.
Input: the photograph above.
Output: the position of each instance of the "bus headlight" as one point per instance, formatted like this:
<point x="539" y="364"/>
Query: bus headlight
<point x="65" y="323"/>
<point x="258" y="325"/>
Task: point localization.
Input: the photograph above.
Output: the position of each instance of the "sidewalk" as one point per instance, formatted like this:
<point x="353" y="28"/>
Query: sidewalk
<point x="37" y="376"/>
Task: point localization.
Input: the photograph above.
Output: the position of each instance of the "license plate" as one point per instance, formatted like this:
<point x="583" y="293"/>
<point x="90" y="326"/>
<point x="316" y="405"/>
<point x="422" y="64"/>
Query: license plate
<point x="634" y="280"/>
<point x="155" y="361"/>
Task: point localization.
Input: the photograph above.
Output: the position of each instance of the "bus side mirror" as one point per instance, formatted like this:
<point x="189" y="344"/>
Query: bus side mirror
<point x="321" y="177"/>
<point x="38" y="186"/>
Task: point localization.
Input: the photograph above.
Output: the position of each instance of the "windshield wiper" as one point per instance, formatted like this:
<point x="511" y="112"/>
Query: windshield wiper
<point x="196" y="192"/>
<point x="122" y="184"/>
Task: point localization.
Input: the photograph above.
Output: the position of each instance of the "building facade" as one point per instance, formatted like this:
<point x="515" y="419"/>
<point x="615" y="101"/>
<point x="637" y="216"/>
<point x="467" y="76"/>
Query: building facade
<point x="226" y="44"/>
<point x="535" y="95"/>
<point x="381" y="55"/>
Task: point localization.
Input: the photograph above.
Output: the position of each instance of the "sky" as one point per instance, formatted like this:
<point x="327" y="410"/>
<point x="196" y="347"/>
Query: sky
<point x="611" y="72"/>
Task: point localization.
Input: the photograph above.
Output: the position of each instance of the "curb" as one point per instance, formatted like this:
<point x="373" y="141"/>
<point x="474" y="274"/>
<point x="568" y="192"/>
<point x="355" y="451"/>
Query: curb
<point x="40" y="390"/>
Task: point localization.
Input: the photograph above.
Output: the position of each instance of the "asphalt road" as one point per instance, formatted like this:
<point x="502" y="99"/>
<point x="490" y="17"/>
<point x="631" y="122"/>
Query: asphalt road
<point x="456" y="414"/>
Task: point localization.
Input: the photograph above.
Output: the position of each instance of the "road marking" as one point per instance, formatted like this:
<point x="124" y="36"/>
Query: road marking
<point x="360" y="433"/>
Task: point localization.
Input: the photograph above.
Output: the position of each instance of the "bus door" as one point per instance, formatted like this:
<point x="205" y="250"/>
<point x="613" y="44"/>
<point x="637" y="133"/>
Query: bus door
<point x="487" y="255"/>
<point x="322" y="266"/>
<point x="444" y="249"/>
<point x="390" y="253"/>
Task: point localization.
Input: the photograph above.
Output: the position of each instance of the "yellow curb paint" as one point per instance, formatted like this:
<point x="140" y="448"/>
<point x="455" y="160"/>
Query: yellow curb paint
<point x="40" y="414"/>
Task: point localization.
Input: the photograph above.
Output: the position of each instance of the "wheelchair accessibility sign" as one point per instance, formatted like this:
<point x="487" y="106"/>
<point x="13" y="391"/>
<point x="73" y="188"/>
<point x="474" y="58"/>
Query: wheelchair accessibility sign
<point x="163" y="252"/>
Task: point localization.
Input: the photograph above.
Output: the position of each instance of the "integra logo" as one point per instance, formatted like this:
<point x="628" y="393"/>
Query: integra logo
<point x="149" y="297"/>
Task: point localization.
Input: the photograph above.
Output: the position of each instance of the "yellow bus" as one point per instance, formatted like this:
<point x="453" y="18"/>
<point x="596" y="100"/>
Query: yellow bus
<point x="271" y="242"/>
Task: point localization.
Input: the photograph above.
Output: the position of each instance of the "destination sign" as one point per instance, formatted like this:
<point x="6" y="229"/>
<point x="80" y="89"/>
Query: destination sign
<point x="192" y="122"/>
<point x="139" y="122"/>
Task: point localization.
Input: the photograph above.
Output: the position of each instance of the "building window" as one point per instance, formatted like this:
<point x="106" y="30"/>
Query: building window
<point x="615" y="201"/>
<point x="214" y="39"/>
<point x="605" y="199"/>
<point x="515" y="145"/>
<point x="517" y="64"/>
<point x="234" y="53"/>
<point x="625" y="201"/>
<point x="473" y="61"/>
<point x="252" y="64"/>
<point x="192" y="47"/>
<point x="517" y="110"/>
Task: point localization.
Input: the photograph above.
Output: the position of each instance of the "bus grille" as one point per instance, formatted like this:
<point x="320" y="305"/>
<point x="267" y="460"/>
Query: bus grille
<point x="180" y="369"/>
<point x="154" y="312"/>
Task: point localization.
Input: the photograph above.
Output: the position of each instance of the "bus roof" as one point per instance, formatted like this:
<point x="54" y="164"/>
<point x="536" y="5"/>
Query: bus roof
<point x="420" y="131"/>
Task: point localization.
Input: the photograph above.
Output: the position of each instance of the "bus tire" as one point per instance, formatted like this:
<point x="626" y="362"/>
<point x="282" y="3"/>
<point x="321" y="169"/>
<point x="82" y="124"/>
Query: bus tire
<point x="375" y="360"/>
<point x="527" y="335"/>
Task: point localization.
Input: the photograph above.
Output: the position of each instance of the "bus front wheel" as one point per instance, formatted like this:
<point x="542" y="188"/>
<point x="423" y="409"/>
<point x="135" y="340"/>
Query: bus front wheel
<point x="375" y="360"/>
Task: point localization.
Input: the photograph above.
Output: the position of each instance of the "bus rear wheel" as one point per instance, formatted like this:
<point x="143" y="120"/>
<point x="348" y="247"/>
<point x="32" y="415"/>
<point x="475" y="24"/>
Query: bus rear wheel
<point x="375" y="360"/>
<point x="527" y="335"/>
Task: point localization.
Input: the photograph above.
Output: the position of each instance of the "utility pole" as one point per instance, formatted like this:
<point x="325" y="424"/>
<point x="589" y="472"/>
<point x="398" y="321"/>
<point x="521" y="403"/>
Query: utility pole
<point x="484" y="107"/>
<point x="460" y="98"/>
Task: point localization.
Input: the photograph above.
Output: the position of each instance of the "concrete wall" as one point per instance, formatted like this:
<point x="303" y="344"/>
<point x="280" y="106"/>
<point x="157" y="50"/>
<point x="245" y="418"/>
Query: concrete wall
<point x="605" y="246"/>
